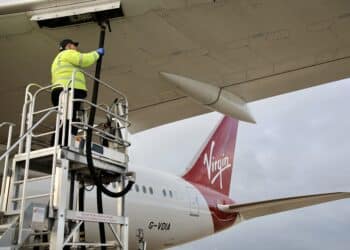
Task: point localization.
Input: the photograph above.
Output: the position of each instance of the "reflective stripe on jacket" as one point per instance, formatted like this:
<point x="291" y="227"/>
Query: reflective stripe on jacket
<point x="64" y="64"/>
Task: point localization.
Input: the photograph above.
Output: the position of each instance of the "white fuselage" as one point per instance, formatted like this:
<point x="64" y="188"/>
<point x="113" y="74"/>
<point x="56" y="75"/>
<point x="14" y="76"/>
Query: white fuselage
<point x="174" y="213"/>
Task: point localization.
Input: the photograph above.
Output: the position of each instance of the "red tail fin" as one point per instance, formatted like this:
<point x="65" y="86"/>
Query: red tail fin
<point x="213" y="167"/>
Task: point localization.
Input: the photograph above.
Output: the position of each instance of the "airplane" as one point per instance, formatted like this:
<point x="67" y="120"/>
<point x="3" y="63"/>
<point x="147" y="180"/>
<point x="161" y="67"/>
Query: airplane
<point x="163" y="205"/>
<point x="178" y="59"/>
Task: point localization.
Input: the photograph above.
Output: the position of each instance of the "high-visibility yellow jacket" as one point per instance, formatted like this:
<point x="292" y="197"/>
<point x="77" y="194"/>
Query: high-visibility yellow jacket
<point x="64" y="64"/>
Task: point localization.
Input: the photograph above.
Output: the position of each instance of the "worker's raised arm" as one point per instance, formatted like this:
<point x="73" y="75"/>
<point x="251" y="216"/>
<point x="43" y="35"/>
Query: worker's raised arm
<point x="78" y="59"/>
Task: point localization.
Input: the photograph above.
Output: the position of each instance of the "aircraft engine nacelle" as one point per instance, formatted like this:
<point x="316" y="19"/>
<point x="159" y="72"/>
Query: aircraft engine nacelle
<point x="213" y="97"/>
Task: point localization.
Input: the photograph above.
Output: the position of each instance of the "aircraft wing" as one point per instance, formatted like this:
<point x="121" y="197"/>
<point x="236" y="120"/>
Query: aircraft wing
<point x="248" y="211"/>
<point x="253" y="49"/>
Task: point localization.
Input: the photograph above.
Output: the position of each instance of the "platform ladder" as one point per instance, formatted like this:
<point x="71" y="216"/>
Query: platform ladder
<point x="39" y="201"/>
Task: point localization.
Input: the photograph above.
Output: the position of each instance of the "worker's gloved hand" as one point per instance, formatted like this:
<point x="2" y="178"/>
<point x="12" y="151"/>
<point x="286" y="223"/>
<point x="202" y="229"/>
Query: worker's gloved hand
<point x="100" y="51"/>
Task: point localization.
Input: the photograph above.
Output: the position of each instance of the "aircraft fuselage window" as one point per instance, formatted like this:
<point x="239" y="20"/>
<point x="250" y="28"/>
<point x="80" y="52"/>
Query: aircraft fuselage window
<point x="144" y="189"/>
<point x="170" y="193"/>
<point x="150" y="190"/>
<point x="137" y="188"/>
<point x="164" y="193"/>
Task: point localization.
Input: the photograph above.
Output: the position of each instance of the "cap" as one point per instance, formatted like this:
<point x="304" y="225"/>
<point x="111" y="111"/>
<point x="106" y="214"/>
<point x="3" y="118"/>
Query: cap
<point x="64" y="43"/>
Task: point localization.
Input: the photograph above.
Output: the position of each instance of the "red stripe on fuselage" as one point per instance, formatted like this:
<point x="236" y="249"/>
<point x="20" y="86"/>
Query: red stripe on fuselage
<point x="220" y="219"/>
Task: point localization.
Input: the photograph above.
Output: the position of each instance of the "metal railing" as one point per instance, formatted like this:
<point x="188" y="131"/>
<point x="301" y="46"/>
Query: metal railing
<point x="119" y="117"/>
<point x="6" y="162"/>
<point x="114" y="131"/>
<point x="117" y="114"/>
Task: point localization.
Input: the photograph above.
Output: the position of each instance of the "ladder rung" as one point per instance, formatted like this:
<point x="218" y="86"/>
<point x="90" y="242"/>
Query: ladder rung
<point x="34" y="179"/>
<point x="93" y="244"/>
<point x="11" y="213"/>
<point x="40" y="233"/>
<point x="31" y="197"/>
<point x="42" y="244"/>
<point x="4" y="227"/>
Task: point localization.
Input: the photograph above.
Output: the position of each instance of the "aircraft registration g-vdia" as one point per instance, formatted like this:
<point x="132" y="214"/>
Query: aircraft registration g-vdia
<point x="218" y="55"/>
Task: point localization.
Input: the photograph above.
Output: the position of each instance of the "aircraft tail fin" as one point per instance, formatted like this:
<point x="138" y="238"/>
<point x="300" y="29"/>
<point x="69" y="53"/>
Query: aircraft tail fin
<point x="213" y="166"/>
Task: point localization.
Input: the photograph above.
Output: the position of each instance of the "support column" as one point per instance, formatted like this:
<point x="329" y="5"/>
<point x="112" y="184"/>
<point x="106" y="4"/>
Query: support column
<point x="60" y="195"/>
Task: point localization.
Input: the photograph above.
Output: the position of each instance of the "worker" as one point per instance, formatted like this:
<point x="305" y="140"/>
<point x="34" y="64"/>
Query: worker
<point x="63" y="66"/>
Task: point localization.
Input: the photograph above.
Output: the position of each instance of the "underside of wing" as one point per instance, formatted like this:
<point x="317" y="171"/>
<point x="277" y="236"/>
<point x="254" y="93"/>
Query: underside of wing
<point x="252" y="49"/>
<point x="248" y="211"/>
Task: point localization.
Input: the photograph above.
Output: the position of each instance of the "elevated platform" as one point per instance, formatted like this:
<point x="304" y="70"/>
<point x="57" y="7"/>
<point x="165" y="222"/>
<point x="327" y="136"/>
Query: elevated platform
<point x="37" y="215"/>
<point x="111" y="162"/>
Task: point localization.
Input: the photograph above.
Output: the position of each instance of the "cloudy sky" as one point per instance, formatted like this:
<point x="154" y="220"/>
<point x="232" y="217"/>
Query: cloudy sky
<point x="300" y="145"/>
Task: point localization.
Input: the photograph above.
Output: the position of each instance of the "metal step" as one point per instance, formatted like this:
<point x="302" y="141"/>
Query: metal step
<point x="40" y="233"/>
<point x="45" y="177"/>
<point x="39" y="244"/>
<point x="31" y="197"/>
<point x="12" y="213"/>
<point x="111" y="244"/>
<point x="4" y="227"/>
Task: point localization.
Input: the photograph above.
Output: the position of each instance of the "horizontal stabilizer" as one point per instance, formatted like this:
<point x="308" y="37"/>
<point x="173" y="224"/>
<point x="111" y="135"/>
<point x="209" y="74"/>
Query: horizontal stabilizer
<point x="261" y="208"/>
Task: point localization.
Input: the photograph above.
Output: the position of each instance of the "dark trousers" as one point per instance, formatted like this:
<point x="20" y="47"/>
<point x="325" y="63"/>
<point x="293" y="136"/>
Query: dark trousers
<point x="78" y="94"/>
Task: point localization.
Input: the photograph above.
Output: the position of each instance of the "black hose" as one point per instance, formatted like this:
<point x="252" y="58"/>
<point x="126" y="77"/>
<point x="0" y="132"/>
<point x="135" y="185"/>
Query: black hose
<point x="91" y="121"/>
<point x="89" y="138"/>
<point x="100" y="209"/>
<point x="81" y="208"/>
<point x="97" y="178"/>
<point x="117" y="194"/>
<point x="71" y="199"/>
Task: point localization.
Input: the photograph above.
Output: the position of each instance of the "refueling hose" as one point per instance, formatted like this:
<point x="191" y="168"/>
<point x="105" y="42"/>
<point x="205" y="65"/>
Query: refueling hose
<point x="81" y="208"/>
<point x="100" y="188"/>
<point x="91" y="121"/>
<point x="89" y="138"/>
